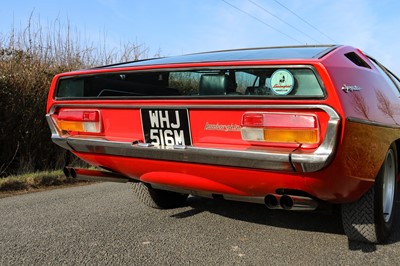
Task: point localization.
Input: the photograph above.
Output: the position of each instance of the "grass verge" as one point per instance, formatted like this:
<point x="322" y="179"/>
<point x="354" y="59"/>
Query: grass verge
<point x="34" y="181"/>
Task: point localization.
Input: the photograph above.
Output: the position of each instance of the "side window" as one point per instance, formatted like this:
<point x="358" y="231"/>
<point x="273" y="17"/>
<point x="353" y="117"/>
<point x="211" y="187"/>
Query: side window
<point x="389" y="79"/>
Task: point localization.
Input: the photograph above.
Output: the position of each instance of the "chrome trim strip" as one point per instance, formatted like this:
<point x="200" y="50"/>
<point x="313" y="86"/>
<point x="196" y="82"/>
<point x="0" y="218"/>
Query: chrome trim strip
<point x="258" y="200"/>
<point x="371" y="123"/>
<point x="55" y="137"/>
<point x="271" y="160"/>
<point x="329" y="110"/>
<point x="268" y="159"/>
<point x="312" y="162"/>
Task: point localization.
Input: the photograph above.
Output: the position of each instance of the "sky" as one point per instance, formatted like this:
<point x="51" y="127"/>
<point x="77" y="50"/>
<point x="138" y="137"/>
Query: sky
<point x="174" y="27"/>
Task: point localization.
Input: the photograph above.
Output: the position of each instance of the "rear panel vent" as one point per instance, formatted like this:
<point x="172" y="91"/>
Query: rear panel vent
<point x="356" y="59"/>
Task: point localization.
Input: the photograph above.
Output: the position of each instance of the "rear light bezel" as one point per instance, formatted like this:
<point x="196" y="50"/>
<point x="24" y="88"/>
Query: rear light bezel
<point x="261" y="128"/>
<point x="78" y="121"/>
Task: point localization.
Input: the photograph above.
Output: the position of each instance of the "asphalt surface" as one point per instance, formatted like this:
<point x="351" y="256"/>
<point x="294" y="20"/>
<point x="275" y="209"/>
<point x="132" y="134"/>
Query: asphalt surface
<point x="104" y="224"/>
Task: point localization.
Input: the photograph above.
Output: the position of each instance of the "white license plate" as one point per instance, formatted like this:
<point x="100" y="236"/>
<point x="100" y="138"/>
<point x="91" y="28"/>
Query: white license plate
<point x="166" y="127"/>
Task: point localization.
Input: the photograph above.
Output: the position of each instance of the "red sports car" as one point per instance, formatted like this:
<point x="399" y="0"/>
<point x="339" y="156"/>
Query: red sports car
<point x="288" y="127"/>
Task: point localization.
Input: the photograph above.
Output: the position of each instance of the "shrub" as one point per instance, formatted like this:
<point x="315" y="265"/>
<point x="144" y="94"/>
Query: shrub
<point x="28" y="61"/>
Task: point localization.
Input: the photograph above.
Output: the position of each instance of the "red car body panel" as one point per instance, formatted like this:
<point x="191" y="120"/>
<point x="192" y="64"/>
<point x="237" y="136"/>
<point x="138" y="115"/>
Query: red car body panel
<point x="360" y="121"/>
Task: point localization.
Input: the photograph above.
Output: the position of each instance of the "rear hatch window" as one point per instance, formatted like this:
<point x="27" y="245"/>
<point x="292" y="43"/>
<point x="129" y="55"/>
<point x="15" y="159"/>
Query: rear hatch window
<point x="279" y="82"/>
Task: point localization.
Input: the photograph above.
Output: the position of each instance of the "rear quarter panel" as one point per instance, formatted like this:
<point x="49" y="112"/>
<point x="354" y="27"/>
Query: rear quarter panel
<point x="371" y="117"/>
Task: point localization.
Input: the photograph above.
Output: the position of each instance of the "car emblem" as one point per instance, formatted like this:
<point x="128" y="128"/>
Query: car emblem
<point x="282" y="82"/>
<point x="222" y="127"/>
<point x="347" y="88"/>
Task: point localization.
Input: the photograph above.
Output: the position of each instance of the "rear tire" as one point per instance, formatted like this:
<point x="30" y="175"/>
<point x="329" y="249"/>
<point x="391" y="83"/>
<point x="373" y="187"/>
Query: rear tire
<point x="370" y="219"/>
<point x="157" y="198"/>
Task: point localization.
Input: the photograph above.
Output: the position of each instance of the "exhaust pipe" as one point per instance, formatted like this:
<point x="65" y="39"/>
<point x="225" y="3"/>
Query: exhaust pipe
<point x="289" y="202"/>
<point x="272" y="201"/>
<point x="298" y="203"/>
<point x="67" y="171"/>
<point x="94" y="175"/>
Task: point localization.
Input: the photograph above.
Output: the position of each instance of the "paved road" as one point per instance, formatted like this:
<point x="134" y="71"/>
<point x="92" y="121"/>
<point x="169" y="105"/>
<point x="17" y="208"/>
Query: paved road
<point x="103" y="224"/>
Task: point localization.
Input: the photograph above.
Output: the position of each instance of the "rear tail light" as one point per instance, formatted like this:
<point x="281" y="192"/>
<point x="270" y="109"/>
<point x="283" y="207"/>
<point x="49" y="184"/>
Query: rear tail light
<point x="281" y="128"/>
<point x="87" y="121"/>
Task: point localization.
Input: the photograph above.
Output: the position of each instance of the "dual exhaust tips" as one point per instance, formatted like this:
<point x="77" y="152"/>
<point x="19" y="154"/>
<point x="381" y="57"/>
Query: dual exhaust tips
<point x="290" y="202"/>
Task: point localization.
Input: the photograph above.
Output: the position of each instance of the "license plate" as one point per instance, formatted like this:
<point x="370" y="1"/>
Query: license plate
<point x="166" y="127"/>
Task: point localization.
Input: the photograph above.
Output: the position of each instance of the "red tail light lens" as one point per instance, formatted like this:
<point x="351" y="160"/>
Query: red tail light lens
<point x="74" y="115"/>
<point x="253" y="120"/>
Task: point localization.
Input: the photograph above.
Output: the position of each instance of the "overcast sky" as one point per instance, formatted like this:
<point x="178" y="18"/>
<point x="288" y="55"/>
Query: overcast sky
<point x="186" y="26"/>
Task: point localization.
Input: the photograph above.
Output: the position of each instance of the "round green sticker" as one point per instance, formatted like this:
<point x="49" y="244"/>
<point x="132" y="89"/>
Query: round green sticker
<point x="282" y="82"/>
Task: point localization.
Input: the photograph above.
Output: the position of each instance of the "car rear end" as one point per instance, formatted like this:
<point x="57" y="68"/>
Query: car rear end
<point x="245" y="128"/>
<point x="256" y="125"/>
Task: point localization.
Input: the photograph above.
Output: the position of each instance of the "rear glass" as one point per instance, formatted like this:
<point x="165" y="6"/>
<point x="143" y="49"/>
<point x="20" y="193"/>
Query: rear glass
<point x="250" y="82"/>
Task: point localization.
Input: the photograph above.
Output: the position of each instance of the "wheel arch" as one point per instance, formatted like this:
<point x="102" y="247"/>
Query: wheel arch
<point x="397" y="144"/>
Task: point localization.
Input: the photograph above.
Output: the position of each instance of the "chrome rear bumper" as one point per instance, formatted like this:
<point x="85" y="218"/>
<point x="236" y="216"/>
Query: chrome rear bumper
<point x="260" y="158"/>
